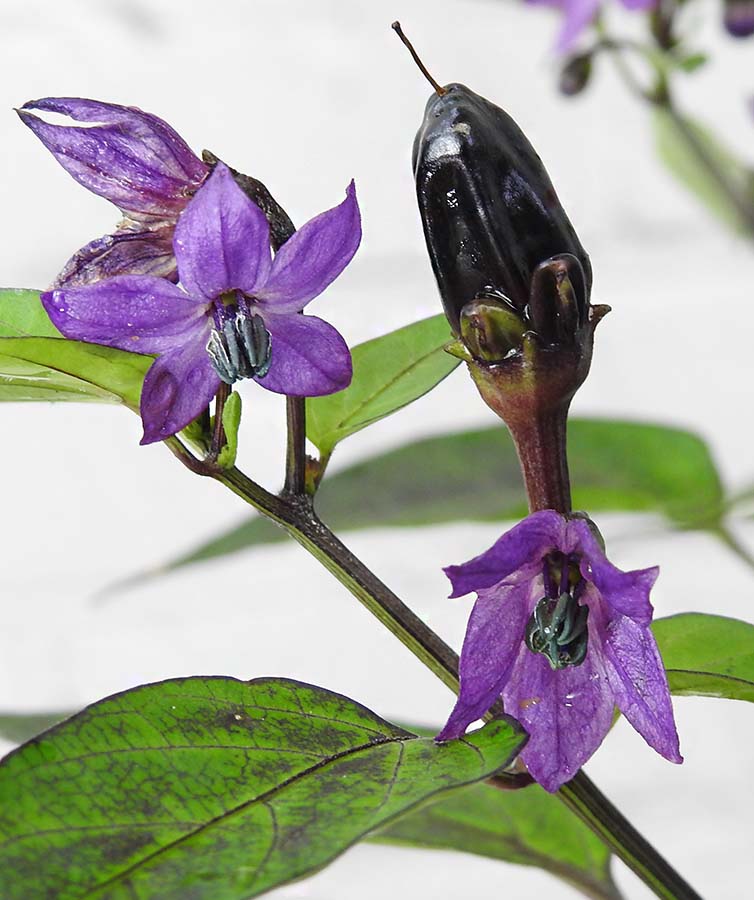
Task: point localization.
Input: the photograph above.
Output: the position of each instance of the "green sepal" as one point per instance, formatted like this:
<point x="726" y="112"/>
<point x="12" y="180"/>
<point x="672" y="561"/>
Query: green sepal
<point x="226" y="459"/>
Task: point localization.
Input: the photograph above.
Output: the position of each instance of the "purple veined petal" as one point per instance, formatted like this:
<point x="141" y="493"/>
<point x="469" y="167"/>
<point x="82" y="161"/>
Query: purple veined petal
<point x="177" y="388"/>
<point x="313" y="257"/>
<point x="639" y="684"/>
<point x="131" y="158"/>
<point x="625" y="592"/>
<point x="578" y="14"/>
<point x="493" y="637"/>
<point x="175" y="155"/>
<point x="309" y="357"/>
<point x="222" y="240"/>
<point x="131" y="312"/>
<point x="566" y="712"/>
<point x="518" y="551"/>
<point x="125" y="252"/>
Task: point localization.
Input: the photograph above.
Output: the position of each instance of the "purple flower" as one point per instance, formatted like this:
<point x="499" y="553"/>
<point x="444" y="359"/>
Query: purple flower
<point x="564" y="637"/>
<point x="738" y="18"/>
<point x="579" y="14"/>
<point x="236" y="313"/>
<point x="136" y="161"/>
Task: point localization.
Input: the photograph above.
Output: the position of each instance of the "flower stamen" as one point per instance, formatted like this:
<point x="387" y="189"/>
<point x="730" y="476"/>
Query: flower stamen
<point x="558" y="626"/>
<point x="240" y="346"/>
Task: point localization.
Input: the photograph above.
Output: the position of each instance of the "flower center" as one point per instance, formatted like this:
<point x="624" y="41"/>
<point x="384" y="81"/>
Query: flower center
<point x="239" y="345"/>
<point x="558" y="626"/>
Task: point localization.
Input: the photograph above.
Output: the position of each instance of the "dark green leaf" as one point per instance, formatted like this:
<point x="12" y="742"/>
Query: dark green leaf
<point x="681" y="142"/>
<point x="707" y="656"/>
<point x="474" y="476"/>
<point x="389" y="372"/>
<point x="529" y="827"/>
<point x="214" y="789"/>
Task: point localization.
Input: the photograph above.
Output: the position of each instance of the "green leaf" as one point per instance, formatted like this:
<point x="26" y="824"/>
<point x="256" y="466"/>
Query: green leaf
<point x="22" y="315"/>
<point x="37" y="363"/>
<point x="59" y="369"/>
<point x="707" y="656"/>
<point x="474" y="476"/>
<point x="389" y="372"/>
<point x="676" y="138"/>
<point x="692" y="62"/>
<point x="529" y="827"/>
<point x="214" y="789"/>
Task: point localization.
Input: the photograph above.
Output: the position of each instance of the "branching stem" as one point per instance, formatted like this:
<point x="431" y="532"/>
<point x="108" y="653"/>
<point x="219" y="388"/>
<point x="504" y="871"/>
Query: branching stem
<point x="299" y="519"/>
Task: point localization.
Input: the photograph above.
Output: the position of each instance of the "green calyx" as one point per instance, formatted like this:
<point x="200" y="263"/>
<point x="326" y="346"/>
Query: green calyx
<point x="491" y="328"/>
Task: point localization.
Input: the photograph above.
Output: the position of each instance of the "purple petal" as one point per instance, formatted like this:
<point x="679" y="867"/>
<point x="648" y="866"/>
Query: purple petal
<point x="566" y="712"/>
<point x="314" y="256"/>
<point x="130" y="157"/>
<point x="132" y="312"/>
<point x="738" y="18"/>
<point x="309" y="357"/>
<point x="578" y="15"/>
<point x="493" y="637"/>
<point x="625" y="592"/>
<point x="123" y="253"/>
<point x="222" y="240"/>
<point x="177" y="388"/>
<point x="640" y="686"/>
<point x="639" y="4"/>
<point x="518" y="551"/>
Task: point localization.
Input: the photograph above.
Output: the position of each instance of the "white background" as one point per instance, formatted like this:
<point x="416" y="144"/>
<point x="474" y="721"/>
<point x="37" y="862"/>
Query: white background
<point x="307" y="94"/>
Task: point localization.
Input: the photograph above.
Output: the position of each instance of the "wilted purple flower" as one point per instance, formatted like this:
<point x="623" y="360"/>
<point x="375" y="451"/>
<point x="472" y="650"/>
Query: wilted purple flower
<point x="136" y="161"/>
<point x="578" y="14"/>
<point x="236" y="314"/>
<point x="564" y="637"/>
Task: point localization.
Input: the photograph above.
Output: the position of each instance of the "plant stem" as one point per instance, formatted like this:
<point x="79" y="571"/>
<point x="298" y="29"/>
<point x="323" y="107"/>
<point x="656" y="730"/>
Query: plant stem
<point x="295" y="462"/>
<point x="298" y="518"/>
<point x="218" y="432"/>
<point x="540" y="442"/>
<point x="661" y="97"/>
<point x="583" y="798"/>
<point x="731" y="191"/>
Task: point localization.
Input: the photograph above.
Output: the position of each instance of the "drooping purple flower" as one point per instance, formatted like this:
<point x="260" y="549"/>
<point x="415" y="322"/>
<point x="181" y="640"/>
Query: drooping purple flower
<point x="235" y="314"/>
<point x="136" y="161"/>
<point x="563" y="636"/>
<point x="579" y="14"/>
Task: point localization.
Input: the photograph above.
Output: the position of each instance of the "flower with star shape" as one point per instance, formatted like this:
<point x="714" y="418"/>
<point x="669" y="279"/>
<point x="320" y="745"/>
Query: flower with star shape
<point x="235" y="313"/>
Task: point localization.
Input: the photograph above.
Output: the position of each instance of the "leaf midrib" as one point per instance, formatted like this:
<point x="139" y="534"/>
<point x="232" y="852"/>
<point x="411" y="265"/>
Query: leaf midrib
<point x="388" y="384"/>
<point x="224" y="817"/>
<point x="705" y="674"/>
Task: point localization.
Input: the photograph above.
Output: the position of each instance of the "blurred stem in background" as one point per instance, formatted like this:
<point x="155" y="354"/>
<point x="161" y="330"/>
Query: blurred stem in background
<point x="660" y="96"/>
<point x="696" y="157"/>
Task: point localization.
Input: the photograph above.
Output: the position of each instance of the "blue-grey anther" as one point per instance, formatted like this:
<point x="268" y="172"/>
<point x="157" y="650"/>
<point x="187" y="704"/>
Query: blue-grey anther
<point x="241" y="347"/>
<point x="557" y="629"/>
